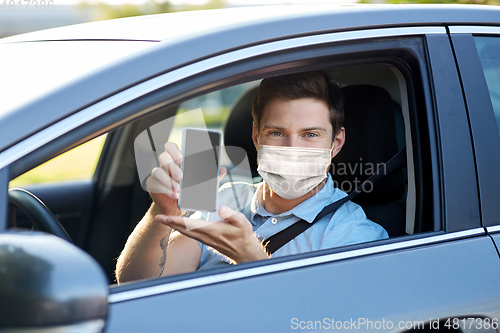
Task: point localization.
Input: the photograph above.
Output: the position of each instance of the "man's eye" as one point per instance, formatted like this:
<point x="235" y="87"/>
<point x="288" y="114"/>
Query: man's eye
<point x="274" y="133"/>
<point x="311" y="135"/>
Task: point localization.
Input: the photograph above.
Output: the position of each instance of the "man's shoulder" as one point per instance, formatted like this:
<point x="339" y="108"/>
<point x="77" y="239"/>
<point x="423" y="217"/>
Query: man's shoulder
<point x="350" y="225"/>
<point x="349" y="210"/>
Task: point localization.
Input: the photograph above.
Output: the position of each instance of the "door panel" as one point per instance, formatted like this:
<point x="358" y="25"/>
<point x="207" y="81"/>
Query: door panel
<point x="437" y="281"/>
<point x="496" y="239"/>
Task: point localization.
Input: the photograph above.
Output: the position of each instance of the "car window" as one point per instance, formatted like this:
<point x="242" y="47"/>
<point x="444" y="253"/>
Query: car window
<point x="489" y="54"/>
<point x="78" y="163"/>
<point x="213" y="111"/>
<point x="376" y="125"/>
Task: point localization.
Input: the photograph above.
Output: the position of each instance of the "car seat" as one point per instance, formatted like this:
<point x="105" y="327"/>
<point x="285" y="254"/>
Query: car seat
<point x="374" y="134"/>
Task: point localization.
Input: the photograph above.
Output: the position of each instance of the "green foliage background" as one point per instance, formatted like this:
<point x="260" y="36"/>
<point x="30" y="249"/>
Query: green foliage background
<point x="103" y="11"/>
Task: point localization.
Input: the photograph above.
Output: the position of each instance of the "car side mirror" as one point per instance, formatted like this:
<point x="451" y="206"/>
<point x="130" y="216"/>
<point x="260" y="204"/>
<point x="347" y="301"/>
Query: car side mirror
<point x="49" y="285"/>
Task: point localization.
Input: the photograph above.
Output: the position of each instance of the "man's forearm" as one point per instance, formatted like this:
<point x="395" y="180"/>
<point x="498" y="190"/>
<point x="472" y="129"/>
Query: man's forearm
<point x="144" y="255"/>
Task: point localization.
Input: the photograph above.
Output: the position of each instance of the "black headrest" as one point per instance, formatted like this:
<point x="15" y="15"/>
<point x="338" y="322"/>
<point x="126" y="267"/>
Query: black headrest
<point x="238" y="129"/>
<point x="373" y="124"/>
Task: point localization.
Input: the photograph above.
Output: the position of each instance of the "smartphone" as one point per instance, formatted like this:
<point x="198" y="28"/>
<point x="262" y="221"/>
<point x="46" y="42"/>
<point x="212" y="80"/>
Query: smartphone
<point x="200" y="167"/>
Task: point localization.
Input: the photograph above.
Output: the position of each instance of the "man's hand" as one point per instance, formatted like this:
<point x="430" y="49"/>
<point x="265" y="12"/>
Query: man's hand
<point x="233" y="236"/>
<point x="163" y="184"/>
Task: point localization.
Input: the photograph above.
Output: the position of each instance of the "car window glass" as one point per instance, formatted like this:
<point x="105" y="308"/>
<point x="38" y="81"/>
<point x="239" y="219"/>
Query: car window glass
<point x="210" y="111"/>
<point x="214" y="109"/>
<point x="489" y="54"/>
<point x="76" y="164"/>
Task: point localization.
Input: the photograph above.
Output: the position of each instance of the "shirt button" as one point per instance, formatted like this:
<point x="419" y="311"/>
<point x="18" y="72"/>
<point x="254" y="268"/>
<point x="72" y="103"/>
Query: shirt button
<point x="274" y="220"/>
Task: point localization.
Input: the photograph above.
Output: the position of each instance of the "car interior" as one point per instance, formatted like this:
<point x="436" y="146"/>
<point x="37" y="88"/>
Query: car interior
<point x="100" y="213"/>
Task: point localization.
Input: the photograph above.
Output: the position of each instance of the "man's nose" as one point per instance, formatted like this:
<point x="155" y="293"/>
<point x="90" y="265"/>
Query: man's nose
<point x="293" y="141"/>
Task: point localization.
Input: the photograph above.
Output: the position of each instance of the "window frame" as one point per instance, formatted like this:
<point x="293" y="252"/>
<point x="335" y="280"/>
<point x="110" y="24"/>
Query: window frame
<point x="485" y="135"/>
<point x="309" y="258"/>
<point x="458" y="184"/>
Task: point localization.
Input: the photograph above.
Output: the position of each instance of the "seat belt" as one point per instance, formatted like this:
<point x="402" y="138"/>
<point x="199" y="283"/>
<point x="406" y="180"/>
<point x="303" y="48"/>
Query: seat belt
<point x="279" y="239"/>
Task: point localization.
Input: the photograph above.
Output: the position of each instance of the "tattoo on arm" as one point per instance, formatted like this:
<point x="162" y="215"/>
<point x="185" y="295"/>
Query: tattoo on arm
<point x="163" y="245"/>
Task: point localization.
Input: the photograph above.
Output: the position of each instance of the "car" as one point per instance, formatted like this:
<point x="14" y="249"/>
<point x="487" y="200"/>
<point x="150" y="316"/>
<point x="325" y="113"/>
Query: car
<point x="421" y="79"/>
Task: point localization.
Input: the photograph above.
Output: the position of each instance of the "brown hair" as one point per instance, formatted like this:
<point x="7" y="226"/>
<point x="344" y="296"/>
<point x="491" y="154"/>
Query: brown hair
<point x="316" y="84"/>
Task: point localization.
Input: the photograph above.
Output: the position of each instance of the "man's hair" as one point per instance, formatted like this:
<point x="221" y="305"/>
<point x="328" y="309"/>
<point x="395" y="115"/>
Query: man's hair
<point x="316" y="84"/>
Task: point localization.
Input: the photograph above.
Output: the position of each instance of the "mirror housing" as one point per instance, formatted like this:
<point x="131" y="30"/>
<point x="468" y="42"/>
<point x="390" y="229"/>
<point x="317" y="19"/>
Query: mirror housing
<point x="49" y="285"/>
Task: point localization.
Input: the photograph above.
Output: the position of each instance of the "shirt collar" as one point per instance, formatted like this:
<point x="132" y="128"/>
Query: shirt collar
<point x="307" y="210"/>
<point x="255" y="205"/>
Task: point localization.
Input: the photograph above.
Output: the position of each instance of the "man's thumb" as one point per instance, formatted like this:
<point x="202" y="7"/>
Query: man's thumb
<point x="226" y="213"/>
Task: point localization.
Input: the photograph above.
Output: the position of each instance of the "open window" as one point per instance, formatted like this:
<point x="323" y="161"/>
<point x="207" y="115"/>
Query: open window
<point x="385" y="111"/>
<point x="380" y="121"/>
<point x="377" y="128"/>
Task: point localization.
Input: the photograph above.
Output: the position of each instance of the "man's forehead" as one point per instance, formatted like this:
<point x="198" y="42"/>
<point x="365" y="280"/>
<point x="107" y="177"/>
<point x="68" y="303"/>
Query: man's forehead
<point x="296" y="114"/>
<point x="271" y="125"/>
<point x="302" y="106"/>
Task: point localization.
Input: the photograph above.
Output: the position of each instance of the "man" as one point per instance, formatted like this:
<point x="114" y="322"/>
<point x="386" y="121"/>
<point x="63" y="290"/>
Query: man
<point x="297" y="130"/>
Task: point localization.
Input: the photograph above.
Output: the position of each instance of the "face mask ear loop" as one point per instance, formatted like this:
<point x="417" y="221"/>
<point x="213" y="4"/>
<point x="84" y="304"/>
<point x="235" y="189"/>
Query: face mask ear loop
<point x="333" y="146"/>
<point x="331" y="149"/>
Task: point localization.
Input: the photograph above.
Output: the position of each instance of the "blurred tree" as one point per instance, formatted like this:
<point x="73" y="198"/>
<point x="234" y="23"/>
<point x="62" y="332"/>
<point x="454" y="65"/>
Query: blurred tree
<point x="105" y="11"/>
<point x="214" y="4"/>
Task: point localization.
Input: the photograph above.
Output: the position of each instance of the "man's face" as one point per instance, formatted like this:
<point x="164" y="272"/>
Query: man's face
<point x="301" y="122"/>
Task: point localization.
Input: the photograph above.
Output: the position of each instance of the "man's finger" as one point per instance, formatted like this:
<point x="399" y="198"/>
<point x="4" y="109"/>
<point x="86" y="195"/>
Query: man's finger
<point x="154" y="186"/>
<point x="174" y="152"/>
<point x="177" y="223"/>
<point x="165" y="159"/>
<point x="170" y="167"/>
<point x="161" y="176"/>
<point x="222" y="172"/>
<point x="230" y="215"/>
<point x="175" y="172"/>
<point x="186" y="225"/>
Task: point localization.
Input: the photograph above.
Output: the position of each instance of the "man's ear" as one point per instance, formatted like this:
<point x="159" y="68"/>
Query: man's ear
<point x="255" y="132"/>
<point x="338" y="142"/>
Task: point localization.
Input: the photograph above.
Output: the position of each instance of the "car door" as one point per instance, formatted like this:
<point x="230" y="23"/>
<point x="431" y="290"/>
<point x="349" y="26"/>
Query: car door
<point x="479" y="62"/>
<point x="445" y="272"/>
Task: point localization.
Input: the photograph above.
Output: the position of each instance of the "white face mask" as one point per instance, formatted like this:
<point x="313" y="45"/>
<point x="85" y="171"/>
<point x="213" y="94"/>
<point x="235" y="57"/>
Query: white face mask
<point x="291" y="172"/>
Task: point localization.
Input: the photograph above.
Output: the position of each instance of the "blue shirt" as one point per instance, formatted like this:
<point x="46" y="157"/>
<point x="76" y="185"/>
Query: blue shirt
<point x="349" y="224"/>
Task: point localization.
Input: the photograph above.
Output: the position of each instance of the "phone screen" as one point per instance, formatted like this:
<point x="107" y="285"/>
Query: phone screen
<point x="200" y="167"/>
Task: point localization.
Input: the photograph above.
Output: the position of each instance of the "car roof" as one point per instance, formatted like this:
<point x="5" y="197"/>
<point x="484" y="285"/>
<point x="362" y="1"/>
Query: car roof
<point x="161" y="27"/>
<point x="160" y="43"/>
